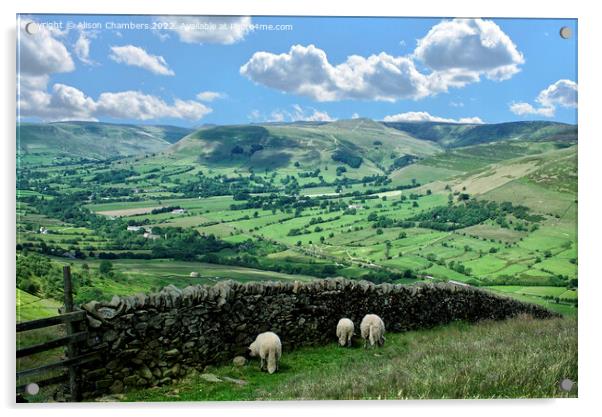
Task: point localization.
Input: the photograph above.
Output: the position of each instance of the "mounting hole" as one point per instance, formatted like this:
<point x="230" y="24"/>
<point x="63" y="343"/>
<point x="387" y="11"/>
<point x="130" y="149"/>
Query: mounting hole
<point x="32" y="28"/>
<point x="32" y="388"/>
<point x="566" y="385"/>
<point x="566" y="32"/>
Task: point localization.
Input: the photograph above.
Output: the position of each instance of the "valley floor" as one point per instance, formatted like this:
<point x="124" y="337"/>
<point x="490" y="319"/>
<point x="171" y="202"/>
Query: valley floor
<point x="501" y="216"/>
<point x="517" y="358"/>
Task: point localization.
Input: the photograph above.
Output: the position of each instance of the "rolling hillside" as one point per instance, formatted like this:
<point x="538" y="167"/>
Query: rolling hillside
<point x="91" y="140"/>
<point x="365" y="189"/>
<point x="453" y="135"/>
<point x="363" y="144"/>
<point x="360" y="144"/>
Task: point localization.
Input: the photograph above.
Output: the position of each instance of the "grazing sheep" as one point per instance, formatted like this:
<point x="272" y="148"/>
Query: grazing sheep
<point x="345" y="330"/>
<point x="269" y="349"/>
<point x="373" y="330"/>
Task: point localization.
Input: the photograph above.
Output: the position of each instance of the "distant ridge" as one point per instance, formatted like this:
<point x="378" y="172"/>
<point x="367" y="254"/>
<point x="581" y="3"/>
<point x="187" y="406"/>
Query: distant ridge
<point x="376" y="146"/>
<point x="364" y="144"/>
<point x="451" y="135"/>
<point x="94" y="140"/>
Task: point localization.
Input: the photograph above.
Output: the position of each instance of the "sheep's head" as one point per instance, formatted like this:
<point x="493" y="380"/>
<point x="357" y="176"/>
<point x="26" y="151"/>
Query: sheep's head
<point x="253" y="349"/>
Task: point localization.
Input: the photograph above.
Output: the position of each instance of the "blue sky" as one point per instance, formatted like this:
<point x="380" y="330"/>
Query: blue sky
<point x="490" y="70"/>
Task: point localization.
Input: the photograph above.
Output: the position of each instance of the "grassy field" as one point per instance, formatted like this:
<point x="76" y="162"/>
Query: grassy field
<point x="537" y="295"/>
<point x="30" y="307"/>
<point x="301" y="201"/>
<point x="522" y="173"/>
<point x="517" y="358"/>
<point x="133" y="276"/>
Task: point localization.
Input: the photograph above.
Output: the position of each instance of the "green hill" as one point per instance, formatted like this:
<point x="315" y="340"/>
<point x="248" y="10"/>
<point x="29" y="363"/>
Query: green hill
<point x="453" y="135"/>
<point x="364" y="145"/>
<point x="359" y="144"/>
<point x="91" y="140"/>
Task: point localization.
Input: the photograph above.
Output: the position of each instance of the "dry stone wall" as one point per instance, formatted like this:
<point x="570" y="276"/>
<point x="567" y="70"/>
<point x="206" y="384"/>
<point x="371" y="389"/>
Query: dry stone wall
<point x="147" y="340"/>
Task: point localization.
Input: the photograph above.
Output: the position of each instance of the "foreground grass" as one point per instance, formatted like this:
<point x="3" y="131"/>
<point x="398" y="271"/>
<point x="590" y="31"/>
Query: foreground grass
<point x="517" y="358"/>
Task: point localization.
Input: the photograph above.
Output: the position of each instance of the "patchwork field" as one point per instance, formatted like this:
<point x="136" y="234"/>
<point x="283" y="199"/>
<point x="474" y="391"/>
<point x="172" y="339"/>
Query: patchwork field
<point x="353" y="198"/>
<point x="384" y="202"/>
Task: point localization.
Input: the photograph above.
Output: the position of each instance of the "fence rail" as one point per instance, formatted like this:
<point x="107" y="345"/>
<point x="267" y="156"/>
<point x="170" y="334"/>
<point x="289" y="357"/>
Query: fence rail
<point x="51" y="321"/>
<point x="70" y="362"/>
<point x="52" y="344"/>
<point x="75" y="323"/>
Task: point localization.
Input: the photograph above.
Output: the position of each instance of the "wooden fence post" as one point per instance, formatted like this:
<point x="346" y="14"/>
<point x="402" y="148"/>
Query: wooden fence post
<point x="71" y="329"/>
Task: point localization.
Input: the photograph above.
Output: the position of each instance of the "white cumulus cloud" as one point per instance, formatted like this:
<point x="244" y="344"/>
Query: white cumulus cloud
<point x="68" y="101"/>
<point x="523" y="109"/>
<point x="210" y="95"/>
<point x="255" y="115"/>
<point x="562" y="93"/>
<point x="140" y="106"/>
<point x="422" y="116"/>
<point x="300" y="113"/>
<point x="455" y="53"/>
<point x="62" y="103"/>
<point x="82" y="47"/>
<point x="138" y="57"/>
<point x="461" y="50"/>
<point x="277" y="116"/>
<point x="224" y="30"/>
<point x="65" y="102"/>
<point x="305" y="70"/>
<point x="296" y="113"/>
<point x="42" y="54"/>
<point x="39" y="56"/>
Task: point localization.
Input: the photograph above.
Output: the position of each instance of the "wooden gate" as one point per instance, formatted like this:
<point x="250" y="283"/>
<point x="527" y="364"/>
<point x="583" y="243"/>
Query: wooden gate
<point x="76" y="334"/>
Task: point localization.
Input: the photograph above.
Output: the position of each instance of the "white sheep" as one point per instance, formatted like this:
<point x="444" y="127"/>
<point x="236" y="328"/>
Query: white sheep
<point x="373" y="330"/>
<point x="345" y="330"/>
<point x="269" y="349"/>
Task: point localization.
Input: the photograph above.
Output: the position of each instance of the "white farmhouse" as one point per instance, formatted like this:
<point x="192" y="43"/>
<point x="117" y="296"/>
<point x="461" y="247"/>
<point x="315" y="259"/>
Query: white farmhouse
<point x="149" y="235"/>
